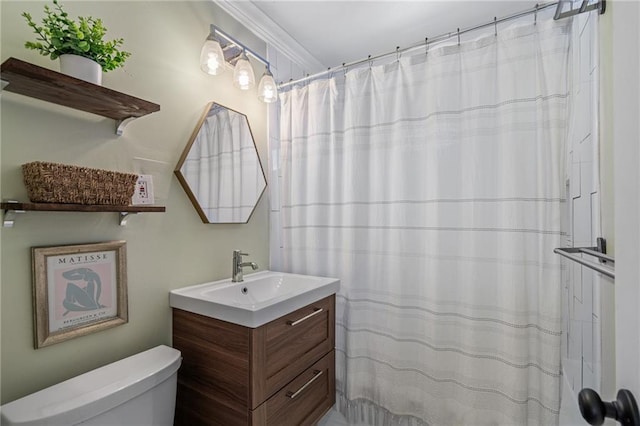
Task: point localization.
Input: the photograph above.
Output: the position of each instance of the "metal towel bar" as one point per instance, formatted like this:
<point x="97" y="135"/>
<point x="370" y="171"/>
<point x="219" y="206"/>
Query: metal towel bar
<point x="572" y="254"/>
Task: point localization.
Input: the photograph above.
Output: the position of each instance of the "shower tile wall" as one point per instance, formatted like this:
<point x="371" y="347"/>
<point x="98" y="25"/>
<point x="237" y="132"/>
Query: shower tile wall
<point x="581" y="296"/>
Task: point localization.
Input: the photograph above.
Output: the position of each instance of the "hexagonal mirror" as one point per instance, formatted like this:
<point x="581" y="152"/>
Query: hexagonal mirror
<point x="220" y="169"/>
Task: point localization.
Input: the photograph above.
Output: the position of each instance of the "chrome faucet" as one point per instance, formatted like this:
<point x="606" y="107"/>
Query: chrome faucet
<point x="236" y="276"/>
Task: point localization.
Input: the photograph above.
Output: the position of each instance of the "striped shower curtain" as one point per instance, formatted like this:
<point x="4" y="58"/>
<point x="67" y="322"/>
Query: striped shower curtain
<point x="433" y="187"/>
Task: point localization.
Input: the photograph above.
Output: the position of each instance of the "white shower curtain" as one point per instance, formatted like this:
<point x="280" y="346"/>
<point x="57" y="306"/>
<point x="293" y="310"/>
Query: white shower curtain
<point x="433" y="187"/>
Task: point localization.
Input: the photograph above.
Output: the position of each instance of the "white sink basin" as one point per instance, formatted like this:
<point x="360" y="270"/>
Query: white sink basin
<point x="259" y="299"/>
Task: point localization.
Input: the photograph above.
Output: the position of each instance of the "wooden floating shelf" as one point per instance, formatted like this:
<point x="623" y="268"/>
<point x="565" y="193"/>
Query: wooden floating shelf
<point x="11" y="208"/>
<point x="54" y="207"/>
<point x="51" y="86"/>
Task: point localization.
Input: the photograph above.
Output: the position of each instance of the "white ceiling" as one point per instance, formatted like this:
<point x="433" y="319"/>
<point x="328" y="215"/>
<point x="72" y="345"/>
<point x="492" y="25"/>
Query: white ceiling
<point x="322" y="34"/>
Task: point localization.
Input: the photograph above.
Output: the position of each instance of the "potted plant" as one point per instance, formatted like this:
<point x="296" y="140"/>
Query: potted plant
<point x="80" y="46"/>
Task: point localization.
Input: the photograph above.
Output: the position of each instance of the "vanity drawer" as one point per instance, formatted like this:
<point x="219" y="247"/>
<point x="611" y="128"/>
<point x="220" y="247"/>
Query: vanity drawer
<point x="297" y="340"/>
<point x="304" y="400"/>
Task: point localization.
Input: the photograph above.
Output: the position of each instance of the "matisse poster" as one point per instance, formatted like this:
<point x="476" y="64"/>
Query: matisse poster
<point x="78" y="290"/>
<point x="82" y="288"/>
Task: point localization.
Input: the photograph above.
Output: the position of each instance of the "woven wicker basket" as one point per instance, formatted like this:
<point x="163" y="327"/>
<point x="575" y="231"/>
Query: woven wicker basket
<point x="61" y="183"/>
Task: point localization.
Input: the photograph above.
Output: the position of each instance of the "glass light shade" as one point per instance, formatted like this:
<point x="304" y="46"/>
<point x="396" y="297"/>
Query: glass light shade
<point x="267" y="89"/>
<point x="243" y="77"/>
<point x="211" y="57"/>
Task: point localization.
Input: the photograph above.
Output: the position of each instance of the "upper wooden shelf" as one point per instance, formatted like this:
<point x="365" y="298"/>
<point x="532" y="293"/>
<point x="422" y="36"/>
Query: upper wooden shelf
<point x="12" y="207"/>
<point x="51" y="86"/>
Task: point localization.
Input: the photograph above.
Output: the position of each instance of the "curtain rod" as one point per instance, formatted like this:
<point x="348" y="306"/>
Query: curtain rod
<point x="426" y="43"/>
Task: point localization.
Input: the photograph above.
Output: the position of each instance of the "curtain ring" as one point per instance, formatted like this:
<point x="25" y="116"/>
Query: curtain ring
<point x="398" y="53"/>
<point x="370" y="61"/>
<point x="458" y="36"/>
<point x="329" y="73"/>
<point x="426" y="45"/>
<point x="535" y="15"/>
<point x="495" y="26"/>
<point x="344" y="68"/>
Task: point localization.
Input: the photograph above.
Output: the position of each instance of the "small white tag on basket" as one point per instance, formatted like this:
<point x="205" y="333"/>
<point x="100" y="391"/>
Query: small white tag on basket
<point x="144" y="191"/>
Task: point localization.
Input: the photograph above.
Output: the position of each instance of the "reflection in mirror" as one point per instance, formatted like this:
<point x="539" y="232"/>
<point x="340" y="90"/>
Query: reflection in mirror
<point x="220" y="169"/>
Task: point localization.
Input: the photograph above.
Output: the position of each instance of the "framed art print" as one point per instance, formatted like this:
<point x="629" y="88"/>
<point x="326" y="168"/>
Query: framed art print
<point x="78" y="289"/>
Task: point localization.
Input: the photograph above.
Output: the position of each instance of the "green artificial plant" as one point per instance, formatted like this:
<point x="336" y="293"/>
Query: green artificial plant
<point x="61" y="35"/>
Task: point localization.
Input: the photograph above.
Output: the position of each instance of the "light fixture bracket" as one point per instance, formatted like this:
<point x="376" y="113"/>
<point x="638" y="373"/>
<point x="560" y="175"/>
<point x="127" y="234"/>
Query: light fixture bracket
<point x="232" y="48"/>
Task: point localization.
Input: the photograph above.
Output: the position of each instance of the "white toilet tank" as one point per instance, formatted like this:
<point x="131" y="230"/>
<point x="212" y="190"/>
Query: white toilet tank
<point x="138" y="390"/>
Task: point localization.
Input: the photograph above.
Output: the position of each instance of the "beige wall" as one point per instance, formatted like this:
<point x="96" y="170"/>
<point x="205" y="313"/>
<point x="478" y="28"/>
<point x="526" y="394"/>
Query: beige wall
<point x="165" y="250"/>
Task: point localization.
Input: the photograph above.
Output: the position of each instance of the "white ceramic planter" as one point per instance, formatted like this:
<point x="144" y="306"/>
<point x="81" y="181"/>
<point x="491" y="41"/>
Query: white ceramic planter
<point x="82" y="68"/>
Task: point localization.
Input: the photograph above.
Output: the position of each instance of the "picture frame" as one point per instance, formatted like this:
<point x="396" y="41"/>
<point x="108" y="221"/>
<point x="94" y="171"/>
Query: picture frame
<point x="77" y="290"/>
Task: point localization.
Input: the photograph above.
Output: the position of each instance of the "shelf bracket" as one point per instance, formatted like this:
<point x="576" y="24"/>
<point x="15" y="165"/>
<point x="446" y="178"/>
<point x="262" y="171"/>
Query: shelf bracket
<point x="123" y="217"/>
<point x="121" y="124"/>
<point x="9" y="215"/>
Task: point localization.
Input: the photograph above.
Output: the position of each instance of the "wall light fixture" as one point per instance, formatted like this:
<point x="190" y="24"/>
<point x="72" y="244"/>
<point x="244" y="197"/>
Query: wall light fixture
<point x="243" y="77"/>
<point x="267" y="88"/>
<point x="220" y="48"/>
<point x="211" y="56"/>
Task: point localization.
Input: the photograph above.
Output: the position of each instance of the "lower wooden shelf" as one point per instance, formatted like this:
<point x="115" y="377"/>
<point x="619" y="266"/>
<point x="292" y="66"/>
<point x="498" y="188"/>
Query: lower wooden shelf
<point x="12" y="208"/>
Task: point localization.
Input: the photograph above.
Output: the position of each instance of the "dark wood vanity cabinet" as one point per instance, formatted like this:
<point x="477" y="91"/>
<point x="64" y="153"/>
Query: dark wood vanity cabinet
<point x="281" y="373"/>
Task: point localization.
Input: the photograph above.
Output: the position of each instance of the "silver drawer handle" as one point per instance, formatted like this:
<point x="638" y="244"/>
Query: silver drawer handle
<point x="316" y="374"/>
<point x="314" y="313"/>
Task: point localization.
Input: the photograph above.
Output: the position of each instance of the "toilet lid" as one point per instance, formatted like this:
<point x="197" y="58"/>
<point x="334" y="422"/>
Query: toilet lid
<point x="95" y="392"/>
